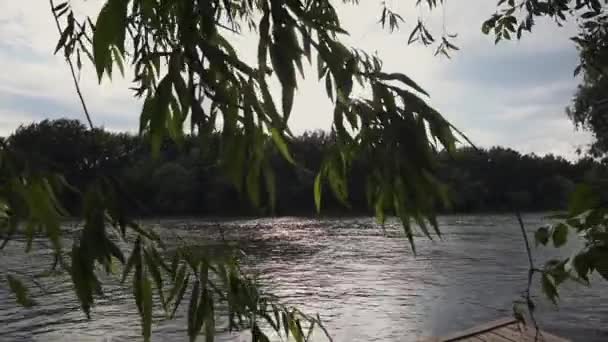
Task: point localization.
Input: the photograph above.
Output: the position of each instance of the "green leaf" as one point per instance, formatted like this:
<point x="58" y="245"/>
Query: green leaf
<point x="321" y="66"/>
<point x="114" y="250"/>
<point x="64" y="36"/>
<point x="109" y="30"/>
<point x="402" y="78"/>
<point x="407" y="228"/>
<point x="560" y="235"/>
<point x="201" y="312"/>
<point x="61" y="6"/>
<point x="548" y="287"/>
<point x="318" y="191"/>
<point x="337" y="180"/>
<point x="328" y="87"/>
<point x="133" y="258"/>
<point x="153" y="267"/>
<point x="83" y="279"/>
<point x="146" y="315"/>
<point x="288" y="95"/>
<point x="379" y="207"/>
<point x="295" y="330"/>
<point x="601" y="262"/>
<point x="264" y="40"/>
<point x="541" y="236"/>
<point x="280" y="143"/>
<point x="147" y="232"/>
<point x="582" y="199"/>
<point x="118" y="58"/>
<point x="142" y="290"/>
<point x="285" y="317"/>
<point x="582" y="265"/>
<point x="192" y="332"/>
<point x="589" y="15"/>
<point x="20" y="291"/>
<point x="178" y="279"/>
<point x="286" y="73"/>
<point x="210" y="320"/>
<point x="253" y="182"/>
<point x="146" y="113"/>
<point x="180" y="294"/>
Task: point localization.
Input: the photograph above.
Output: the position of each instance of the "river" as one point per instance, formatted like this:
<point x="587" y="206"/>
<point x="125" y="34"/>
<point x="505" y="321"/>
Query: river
<point x="364" y="282"/>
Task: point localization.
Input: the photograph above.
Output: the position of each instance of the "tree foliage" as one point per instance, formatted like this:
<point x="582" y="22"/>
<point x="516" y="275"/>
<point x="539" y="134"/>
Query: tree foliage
<point x="589" y="108"/>
<point x="186" y="69"/>
<point x="187" y="180"/>
<point x="184" y="66"/>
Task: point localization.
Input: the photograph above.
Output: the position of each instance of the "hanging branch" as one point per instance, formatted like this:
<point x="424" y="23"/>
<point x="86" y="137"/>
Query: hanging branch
<point x="72" y="70"/>
<point x="531" y="270"/>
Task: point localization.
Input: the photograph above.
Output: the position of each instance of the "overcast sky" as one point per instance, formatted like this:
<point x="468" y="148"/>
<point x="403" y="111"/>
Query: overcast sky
<point x="513" y="94"/>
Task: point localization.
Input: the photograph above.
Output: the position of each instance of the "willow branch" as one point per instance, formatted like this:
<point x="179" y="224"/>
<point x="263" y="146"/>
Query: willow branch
<point x="72" y="70"/>
<point x="531" y="271"/>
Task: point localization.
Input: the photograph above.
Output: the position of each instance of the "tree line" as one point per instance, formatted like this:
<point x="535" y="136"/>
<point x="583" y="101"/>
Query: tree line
<point x="186" y="177"/>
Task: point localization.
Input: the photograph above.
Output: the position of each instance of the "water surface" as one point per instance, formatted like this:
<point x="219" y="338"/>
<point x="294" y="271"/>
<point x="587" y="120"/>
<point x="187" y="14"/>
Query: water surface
<point x="364" y="282"/>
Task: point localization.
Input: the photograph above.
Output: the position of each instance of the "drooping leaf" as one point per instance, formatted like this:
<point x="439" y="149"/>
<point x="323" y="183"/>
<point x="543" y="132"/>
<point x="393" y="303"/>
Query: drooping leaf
<point x="192" y="308"/>
<point x="541" y="236"/>
<point x="582" y="199"/>
<point x="109" y="30"/>
<point x="401" y="78"/>
<point x="133" y="258"/>
<point x="154" y="269"/>
<point x="600" y="260"/>
<point x="181" y="290"/>
<point x="560" y="235"/>
<point x="118" y="58"/>
<point x="288" y="95"/>
<point x="548" y="287"/>
<point x="318" y="191"/>
<point x="582" y="265"/>
<point x="60" y="6"/>
<point x="146" y="315"/>
<point x="210" y="320"/>
<point x="280" y="143"/>
<point x="63" y="38"/>
<point x="328" y="87"/>
<point x="20" y="291"/>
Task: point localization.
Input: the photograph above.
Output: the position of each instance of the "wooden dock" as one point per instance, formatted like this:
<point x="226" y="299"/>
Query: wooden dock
<point x="502" y="330"/>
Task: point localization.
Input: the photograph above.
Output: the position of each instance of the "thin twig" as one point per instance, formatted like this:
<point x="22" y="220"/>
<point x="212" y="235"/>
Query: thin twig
<point x="531" y="271"/>
<point x="71" y="65"/>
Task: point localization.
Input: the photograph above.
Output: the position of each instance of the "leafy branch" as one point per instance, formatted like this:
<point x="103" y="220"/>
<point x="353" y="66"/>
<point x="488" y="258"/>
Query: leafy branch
<point x="527" y="294"/>
<point x="57" y="11"/>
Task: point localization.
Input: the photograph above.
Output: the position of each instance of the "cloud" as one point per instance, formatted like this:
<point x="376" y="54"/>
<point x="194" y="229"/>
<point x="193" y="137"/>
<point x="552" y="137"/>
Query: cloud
<point x="511" y="94"/>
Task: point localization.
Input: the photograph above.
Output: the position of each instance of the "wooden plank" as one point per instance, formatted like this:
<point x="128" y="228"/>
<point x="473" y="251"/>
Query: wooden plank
<point x="502" y="330"/>
<point x="508" y="336"/>
<point x="512" y="333"/>
<point x="491" y="337"/>
<point x="428" y="339"/>
<point x="472" y="339"/>
<point x="480" y="329"/>
<point x="530" y="334"/>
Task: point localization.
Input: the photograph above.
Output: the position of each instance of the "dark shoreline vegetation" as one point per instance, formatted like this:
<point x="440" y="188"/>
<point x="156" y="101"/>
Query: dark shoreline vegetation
<point x="186" y="179"/>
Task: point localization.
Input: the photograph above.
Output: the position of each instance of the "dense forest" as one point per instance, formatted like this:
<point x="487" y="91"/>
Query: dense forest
<point x="186" y="179"/>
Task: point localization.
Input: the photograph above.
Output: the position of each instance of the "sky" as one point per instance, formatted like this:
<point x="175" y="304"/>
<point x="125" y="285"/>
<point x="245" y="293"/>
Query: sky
<point x="512" y="94"/>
